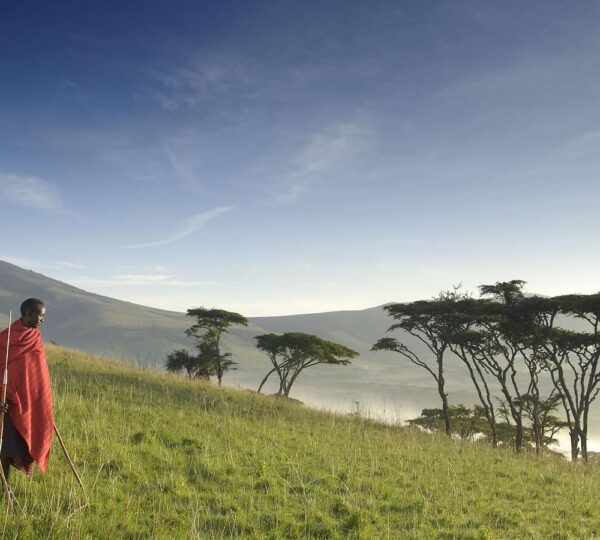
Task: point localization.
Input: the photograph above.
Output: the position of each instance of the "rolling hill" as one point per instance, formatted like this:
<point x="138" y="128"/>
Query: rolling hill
<point x="144" y="336"/>
<point x="381" y="385"/>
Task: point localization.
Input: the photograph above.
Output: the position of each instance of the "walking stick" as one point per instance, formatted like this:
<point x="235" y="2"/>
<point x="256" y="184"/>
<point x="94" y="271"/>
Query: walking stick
<point x="7" y="491"/>
<point x="64" y="449"/>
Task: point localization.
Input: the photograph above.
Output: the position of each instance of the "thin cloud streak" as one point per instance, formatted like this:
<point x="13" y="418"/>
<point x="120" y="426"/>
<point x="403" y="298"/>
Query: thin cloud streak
<point x="193" y="224"/>
<point x="585" y="145"/>
<point x="206" y="77"/>
<point x="41" y="266"/>
<point x="30" y="192"/>
<point x="324" y="152"/>
<point x="140" y="280"/>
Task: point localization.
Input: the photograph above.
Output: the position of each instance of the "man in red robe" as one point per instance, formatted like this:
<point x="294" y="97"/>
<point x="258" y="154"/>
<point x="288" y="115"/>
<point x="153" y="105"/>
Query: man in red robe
<point x="28" y="418"/>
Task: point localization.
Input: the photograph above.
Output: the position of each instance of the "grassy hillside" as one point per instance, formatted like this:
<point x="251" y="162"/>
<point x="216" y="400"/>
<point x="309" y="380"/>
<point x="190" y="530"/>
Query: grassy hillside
<point x="166" y="458"/>
<point x="144" y="336"/>
<point x="92" y="322"/>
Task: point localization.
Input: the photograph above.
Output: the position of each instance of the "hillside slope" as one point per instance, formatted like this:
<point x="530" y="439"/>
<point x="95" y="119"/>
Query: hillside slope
<point x="162" y="457"/>
<point x="144" y="336"/>
<point x="381" y="384"/>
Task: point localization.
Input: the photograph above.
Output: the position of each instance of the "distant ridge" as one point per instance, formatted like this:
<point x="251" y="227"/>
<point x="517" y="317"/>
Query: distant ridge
<point x="382" y="385"/>
<point x="144" y="335"/>
<point x="91" y="322"/>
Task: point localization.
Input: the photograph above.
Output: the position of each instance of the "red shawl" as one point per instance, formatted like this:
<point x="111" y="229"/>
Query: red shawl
<point x="28" y="391"/>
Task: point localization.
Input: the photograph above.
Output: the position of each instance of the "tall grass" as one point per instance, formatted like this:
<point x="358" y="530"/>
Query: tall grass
<point x="162" y="457"/>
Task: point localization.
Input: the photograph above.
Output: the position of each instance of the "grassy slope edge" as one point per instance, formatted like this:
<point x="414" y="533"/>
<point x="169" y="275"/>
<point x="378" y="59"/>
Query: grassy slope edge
<point x="162" y="457"/>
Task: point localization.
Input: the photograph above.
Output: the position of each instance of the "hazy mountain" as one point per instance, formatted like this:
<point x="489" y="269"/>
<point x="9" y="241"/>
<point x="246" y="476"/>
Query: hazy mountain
<point x="144" y="336"/>
<point x="379" y="383"/>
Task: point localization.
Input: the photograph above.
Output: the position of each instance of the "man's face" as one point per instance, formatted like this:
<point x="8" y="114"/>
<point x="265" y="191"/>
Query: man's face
<point x="34" y="318"/>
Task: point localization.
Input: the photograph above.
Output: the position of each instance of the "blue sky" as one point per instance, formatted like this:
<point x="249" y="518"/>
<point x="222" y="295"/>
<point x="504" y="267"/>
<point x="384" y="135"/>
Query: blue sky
<point x="280" y="157"/>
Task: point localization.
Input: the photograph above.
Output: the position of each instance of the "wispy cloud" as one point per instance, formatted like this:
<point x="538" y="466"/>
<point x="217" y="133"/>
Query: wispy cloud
<point x="30" y="192"/>
<point x="324" y="152"/>
<point x="42" y="266"/>
<point x="584" y="145"/>
<point x="138" y="280"/>
<point x="192" y="224"/>
<point x="205" y="77"/>
<point x="184" y="168"/>
<point x="68" y="264"/>
<point x="23" y="262"/>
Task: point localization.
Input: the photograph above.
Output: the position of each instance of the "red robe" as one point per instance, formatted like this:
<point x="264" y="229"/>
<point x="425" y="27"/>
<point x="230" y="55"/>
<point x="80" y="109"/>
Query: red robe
<point x="28" y="392"/>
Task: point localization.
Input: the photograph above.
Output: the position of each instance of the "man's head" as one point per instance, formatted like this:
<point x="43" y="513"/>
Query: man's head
<point x="33" y="312"/>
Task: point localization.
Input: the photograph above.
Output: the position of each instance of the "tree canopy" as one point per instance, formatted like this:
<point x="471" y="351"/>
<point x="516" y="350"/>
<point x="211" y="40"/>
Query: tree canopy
<point x="210" y="326"/>
<point x="432" y="322"/>
<point x="293" y="352"/>
<point x="196" y="366"/>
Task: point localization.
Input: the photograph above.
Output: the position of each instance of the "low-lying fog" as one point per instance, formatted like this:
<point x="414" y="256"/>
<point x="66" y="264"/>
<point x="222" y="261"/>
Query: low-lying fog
<point x="382" y="400"/>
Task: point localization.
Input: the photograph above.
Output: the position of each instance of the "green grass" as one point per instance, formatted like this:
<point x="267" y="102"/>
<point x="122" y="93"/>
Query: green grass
<point x="162" y="457"/>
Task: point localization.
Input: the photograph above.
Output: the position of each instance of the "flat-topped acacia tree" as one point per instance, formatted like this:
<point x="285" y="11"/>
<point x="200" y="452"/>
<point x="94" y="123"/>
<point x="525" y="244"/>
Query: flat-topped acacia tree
<point x="433" y="323"/>
<point x="210" y="326"/>
<point x="293" y="352"/>
<point x="573" y="360"/>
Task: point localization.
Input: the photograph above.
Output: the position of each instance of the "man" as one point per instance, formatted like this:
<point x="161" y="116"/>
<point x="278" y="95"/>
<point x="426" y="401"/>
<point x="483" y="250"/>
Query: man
<point x="28" y="419"/>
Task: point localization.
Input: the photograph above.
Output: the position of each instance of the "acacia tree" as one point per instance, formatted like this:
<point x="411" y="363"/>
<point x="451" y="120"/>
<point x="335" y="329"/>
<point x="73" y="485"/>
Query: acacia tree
<point x="545" y="425"/>
<point x="210" y="326"/>
<point x="582" y="360"/>
<point x="466" y="423"/>
<point x="504" y="330"/>
<point x="471" y="424"/>
<point x="196" y="366"/>
<point x="573" y="361"/>
<point x="293" y="352"/>
<point x="463" y="343"/>
<point x="499" y="340"/>
<point x="573" y="367"/>
<point x="571" y="358"/>
<point x="432" y="322"/>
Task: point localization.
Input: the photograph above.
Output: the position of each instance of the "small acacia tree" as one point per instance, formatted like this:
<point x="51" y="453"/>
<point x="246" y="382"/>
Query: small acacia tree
<point x="196" y="366"/>
<point x="210" y="326"/>
<point x="466" y="423"/>
<point x="293" y="352"/>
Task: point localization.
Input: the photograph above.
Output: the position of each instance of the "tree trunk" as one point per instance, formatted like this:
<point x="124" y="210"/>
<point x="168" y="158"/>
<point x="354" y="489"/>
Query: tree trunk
<point x="492" y="424"/>
<point x="445" y="408"/>
<point x="574" y="444"/>
<point x="584" y="451"/>
<point x="292" y="379"/>
<point x="486" y="401"/>
<point x="518" y="434"/>
<point x="583" y="432"/>
<point x="441" y="390"/>
<point x="265" y="380"/>
<point x="538" y="440"/>
<point x="536" y="423"/>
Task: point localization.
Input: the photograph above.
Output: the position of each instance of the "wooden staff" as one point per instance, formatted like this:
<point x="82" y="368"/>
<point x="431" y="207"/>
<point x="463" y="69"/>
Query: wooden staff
<point x="7" y="491"/>
<point x="64" y="449"/>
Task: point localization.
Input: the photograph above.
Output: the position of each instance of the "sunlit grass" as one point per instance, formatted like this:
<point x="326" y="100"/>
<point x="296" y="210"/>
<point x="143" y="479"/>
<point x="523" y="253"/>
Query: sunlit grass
<point x="162" y="457"/>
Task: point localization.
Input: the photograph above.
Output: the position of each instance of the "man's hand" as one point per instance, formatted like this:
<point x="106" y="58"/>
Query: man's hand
<point x="3" y="406"/>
